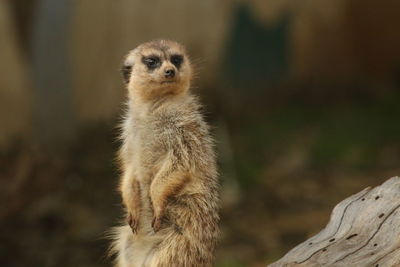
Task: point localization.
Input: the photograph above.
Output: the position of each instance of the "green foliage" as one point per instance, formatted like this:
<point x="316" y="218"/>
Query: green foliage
<point x="353" y="137"/>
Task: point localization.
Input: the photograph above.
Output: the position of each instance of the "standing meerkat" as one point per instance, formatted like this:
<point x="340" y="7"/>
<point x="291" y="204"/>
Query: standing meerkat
<point x="169" y="181"/>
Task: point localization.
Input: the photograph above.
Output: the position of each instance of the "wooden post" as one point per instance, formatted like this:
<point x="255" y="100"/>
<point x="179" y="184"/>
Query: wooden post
<point x="53" y="111"/>
<point x="15" y="83"/>
<point x="364" y="230"/>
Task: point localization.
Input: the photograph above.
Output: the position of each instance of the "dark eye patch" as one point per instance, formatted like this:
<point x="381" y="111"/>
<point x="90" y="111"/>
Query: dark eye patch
<point x="152" y="62"/>
<point x="176" y="60"/>
<point x="126" y="71"/>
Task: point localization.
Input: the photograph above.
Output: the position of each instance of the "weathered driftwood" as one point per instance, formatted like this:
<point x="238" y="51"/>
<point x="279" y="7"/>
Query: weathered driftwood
<point x="364" y="230"/>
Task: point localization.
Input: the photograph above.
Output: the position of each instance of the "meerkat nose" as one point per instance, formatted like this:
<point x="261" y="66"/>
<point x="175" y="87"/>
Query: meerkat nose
<point x="169" y="73"/>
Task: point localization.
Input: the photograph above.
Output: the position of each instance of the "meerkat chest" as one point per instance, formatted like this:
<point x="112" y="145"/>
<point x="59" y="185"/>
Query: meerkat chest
<point x="147" y="150"/>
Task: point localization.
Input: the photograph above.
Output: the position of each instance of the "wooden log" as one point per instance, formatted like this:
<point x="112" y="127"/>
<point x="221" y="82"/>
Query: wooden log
<point x="364" y="230"/>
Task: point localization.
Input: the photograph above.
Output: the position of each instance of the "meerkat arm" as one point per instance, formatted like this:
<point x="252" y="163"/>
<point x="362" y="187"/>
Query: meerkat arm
<point x="165" y="184"/>
<point x="130" y="189"/>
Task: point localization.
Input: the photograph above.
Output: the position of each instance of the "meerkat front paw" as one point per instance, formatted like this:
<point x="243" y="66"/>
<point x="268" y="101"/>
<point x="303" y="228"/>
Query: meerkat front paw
<point x="158" y="219"/>
<point x="131" y="199"/>
<point x="133" y="222"/>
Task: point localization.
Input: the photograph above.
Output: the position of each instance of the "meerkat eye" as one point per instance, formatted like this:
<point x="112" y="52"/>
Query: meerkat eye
<point x="177" y="60"/>
<point x="126" y="72"/>
<point x="151" y="62"/>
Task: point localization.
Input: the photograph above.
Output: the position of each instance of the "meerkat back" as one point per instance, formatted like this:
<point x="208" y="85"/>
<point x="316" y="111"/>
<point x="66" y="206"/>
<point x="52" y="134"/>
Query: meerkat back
<point x="169" y="182"/>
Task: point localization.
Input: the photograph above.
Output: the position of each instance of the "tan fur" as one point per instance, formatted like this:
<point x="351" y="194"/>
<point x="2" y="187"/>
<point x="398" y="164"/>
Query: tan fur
<point x="169" y="183"/>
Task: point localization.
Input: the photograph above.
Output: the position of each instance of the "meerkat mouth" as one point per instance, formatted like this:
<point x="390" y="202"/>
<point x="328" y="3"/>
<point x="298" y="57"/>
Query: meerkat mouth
<point x="163" y="82"/>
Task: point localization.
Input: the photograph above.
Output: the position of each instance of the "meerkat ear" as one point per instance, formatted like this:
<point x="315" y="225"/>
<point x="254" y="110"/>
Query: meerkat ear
<point x="126" y="71"/>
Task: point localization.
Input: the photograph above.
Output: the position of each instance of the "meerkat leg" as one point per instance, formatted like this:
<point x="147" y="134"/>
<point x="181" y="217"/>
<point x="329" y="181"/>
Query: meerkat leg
<point x="130" y="189"/>
<point x="165" y="185"/>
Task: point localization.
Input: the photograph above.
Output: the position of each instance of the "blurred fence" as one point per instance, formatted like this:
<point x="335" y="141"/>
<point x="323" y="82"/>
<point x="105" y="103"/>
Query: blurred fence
<point x="60" y="58"/>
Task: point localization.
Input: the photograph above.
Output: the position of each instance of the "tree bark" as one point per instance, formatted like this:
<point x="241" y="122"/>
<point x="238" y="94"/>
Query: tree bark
<point x="364" y="230"/>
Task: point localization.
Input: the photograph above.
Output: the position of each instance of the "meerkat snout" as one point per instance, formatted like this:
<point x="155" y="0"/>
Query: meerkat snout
<point x="169" y="73"/>
<point x="157" y="69"/>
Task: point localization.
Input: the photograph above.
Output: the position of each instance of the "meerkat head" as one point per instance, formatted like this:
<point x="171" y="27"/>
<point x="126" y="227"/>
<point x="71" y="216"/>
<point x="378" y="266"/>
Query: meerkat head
<point x="157" y="69"/>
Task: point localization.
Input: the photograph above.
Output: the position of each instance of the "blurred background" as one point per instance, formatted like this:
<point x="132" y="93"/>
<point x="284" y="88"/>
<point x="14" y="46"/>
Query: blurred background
<point x="303" y="97"/>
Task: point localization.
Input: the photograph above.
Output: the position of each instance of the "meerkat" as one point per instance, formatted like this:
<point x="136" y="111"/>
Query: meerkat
<point x="169" y="182"/>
